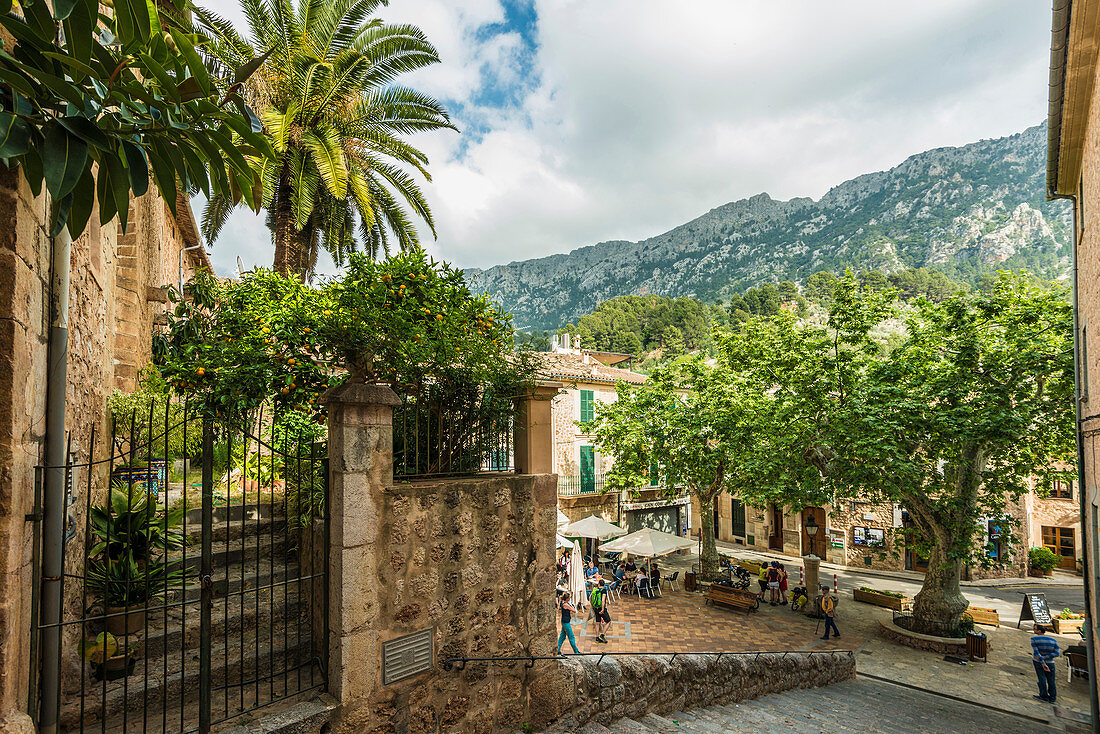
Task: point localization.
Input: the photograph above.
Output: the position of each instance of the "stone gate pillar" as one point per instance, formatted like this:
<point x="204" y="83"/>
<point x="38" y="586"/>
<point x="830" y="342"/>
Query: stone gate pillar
<point x="534" y="429"/>
<point x="360" y="444"/>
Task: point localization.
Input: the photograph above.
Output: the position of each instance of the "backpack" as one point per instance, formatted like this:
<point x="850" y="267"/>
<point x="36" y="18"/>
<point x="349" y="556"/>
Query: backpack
<point x="596" y="600"/>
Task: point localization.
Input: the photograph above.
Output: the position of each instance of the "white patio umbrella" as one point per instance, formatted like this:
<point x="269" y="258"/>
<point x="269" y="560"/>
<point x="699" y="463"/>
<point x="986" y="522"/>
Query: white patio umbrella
<point x="576" y="576"/>
<point x="648" y="543"/>
<point x="564" y="542"/>
<point x="563" y="519"/>
<point x="591" y="527"/>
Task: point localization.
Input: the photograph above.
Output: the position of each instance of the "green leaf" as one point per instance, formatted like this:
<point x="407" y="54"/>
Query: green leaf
<point x="164" y="171"/>
<point x="194" y="63"/>
<point x="167" y="83"/>
<point x="137" y="166"/>
<point x="78" y="31"/>
<point x="64" y="157"/>
<point x="60" y="214"/>
<point x="18" y="82"/>
<point x="244" y="71"/>
<point x="15" y="135"/>
<point x="40" y="20"/>
<point x="80" y="68"/>
<point x="104" y="190"/>
<point x="32" y="171"/>
<point x="83" y="203"/>
<point x="63" y="8"/>
<point x="189" y="90"/>
<point x="86" y="130"/>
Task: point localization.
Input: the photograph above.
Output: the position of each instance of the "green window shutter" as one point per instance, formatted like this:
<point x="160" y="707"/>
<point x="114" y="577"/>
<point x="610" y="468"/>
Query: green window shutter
<point x="587" y="411"/>
<point x="653" y="470"/>
<point x="588" y="469"/>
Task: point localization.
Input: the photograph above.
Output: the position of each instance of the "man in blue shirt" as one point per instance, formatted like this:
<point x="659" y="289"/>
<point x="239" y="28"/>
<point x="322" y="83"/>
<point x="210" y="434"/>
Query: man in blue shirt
<point x="1045" y="649"/>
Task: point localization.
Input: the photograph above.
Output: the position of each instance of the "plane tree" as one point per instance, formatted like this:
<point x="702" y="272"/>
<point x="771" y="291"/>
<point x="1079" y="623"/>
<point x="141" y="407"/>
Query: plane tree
<point x="965" y="415"/>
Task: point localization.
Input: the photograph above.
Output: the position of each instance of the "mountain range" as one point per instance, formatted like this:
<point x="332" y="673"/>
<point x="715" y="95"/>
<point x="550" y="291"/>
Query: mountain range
<point x="964" y="210"/>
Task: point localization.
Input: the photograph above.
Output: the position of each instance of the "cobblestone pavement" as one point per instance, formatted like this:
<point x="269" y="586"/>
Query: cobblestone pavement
<point x="681" y="621"/>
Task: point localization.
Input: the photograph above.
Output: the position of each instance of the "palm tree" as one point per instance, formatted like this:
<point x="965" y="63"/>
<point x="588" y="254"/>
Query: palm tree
<point x="336" y="119"/>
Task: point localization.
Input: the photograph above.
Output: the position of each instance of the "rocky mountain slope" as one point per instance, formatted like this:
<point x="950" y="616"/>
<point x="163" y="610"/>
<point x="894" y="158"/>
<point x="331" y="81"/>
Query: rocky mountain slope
<point x="963" y="210"/>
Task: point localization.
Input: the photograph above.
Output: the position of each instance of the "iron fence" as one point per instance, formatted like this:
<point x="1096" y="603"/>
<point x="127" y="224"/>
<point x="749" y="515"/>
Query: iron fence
<point x="194" y="587"/>
<point x="575" y="484"/>
<point x="453" y="430"/>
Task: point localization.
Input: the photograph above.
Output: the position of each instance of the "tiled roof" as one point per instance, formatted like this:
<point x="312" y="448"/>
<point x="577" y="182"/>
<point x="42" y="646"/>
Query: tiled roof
<point x="573" y="368"/>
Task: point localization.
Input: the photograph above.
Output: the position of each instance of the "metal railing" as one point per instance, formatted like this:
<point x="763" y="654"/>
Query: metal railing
<point x="575" y="484"/>
<point x="530" y="660"/>
<point x="192" y="595"/>
<point x="452" y="430"/>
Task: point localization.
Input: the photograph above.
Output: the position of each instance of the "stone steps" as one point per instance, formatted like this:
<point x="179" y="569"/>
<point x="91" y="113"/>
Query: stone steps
<point x="859" y="706"/>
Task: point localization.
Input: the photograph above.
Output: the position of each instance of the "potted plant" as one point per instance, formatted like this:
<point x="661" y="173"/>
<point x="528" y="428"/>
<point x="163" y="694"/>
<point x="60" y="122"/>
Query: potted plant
<point x="109" y="659"/>
<point x="888" y="599"/>
<point x="984" y="615"/>
<point x="1042" y="561"/>
<point x="128" y="565"/>
<point x="1067" y="621"/>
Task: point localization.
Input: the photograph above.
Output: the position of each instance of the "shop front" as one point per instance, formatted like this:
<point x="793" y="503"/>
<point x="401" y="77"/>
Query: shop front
<point x="668" y="516"/>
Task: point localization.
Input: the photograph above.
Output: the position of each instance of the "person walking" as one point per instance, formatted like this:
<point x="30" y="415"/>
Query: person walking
<point x="598" y="600"/>
<point x="1044" y="649"/>
<point x="829" y="602"/>
<point x="567" y="612"/>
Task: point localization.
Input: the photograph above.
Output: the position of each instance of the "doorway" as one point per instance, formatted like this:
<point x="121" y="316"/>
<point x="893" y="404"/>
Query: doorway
<point x="913" y="561"/>
<point x="818" y="544"/>
<point x="1062" y="542"/>
<point x="737" y="512"/>
<point x="775" y="538"/>
<point x="717" y="523"/>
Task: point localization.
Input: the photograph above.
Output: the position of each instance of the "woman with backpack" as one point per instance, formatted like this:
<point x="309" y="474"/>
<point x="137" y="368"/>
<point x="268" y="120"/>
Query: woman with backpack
<point x="773" y="583"/>
<point x="567" y="612"/>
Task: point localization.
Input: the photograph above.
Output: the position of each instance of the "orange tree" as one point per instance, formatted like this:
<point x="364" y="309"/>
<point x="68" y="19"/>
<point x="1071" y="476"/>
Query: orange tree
<point x="404" y="321"/>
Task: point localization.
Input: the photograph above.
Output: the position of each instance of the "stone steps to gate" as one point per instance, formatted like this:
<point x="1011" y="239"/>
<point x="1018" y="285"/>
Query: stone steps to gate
<point x="862" y="706"/>
<point x="171" y="680"/>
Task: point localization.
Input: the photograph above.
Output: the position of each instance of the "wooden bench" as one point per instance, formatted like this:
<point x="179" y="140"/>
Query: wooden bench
<point x="737" y="598"/>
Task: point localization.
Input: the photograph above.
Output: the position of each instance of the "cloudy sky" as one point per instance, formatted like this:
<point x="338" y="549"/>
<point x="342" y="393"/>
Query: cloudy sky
<point x="590" y="120"/>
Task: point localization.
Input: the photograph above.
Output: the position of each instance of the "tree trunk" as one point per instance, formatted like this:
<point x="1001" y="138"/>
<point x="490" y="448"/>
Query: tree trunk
<point x="292" y="245"/>
<point x="939" y="605"/>
<point x="709" y="557"/>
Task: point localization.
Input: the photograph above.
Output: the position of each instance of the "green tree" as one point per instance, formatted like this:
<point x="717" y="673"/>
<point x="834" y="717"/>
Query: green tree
<point x="819" y="286"/>
<point x="338" y="124"/>
<point x="953" y="423"/>
<point x="92" y="103"/>
<point x="697" y="422"/>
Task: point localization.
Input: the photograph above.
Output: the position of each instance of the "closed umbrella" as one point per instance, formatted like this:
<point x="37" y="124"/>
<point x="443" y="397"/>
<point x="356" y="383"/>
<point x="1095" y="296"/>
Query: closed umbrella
<point x="576" y="576"/>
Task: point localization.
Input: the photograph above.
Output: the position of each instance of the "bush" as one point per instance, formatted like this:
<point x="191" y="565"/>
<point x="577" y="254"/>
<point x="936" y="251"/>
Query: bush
<point x="1042" y="559"/>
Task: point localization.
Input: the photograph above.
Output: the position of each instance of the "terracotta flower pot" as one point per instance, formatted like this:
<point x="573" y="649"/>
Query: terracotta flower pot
<point x="117" y="667"/>
<point x="119" y="622"/>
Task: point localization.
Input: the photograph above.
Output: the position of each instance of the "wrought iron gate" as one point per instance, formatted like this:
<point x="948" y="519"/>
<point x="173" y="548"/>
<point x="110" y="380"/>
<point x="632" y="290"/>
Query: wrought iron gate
<point x="194" y="590"/>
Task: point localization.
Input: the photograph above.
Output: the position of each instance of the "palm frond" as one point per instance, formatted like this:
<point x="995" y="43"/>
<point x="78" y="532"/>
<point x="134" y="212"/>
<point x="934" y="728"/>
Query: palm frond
<point x="214" y="216"/>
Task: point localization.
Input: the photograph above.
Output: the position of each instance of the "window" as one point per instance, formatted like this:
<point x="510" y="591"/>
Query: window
<point x="1062" y="489"/>
<point x="654" y="473"/>
<point x="737" y="512"/>
<point x="587" y="409"/>
<point x="588" y="469"/>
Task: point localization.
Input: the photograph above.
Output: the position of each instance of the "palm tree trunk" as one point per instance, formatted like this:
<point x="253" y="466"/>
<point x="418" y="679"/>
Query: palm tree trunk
<point x="292" y="245"/>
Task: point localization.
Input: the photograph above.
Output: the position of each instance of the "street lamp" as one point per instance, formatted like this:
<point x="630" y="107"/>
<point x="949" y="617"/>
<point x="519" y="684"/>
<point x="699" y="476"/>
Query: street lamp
<point x="811" y="528"/>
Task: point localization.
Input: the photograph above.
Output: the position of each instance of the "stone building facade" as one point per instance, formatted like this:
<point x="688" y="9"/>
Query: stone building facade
<point x="865" y="534"/>
<point x="114" y="299"/>
<point x="587" y="382"/>
<point x="1073" y="172"/>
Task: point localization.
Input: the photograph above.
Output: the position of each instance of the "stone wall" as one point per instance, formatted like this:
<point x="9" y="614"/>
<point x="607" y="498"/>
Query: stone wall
<point x="581" y="689"/>
<point x="473" y="560"/>
<point x="93" y="359"/>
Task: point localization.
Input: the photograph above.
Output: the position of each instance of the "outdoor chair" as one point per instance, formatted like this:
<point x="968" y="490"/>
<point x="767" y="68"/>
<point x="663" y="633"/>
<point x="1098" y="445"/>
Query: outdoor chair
<point x="671" y="581"/>
<point x="1076" y="663"/>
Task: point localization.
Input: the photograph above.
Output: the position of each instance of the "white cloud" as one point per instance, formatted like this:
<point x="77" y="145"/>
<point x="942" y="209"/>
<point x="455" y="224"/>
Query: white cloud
<point x="636" y="115"/>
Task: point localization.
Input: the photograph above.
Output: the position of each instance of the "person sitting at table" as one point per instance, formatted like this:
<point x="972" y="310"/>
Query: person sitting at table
<point x="654" y="577"/>
<point x="630" y="566"/>
<point x="641" y="581"/>
<point x="561" y="588"/>
<point x="590" y="570"/>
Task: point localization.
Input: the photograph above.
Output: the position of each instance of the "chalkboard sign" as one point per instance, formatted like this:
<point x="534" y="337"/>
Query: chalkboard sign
<point x="1035" y="608"/>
